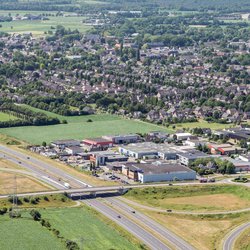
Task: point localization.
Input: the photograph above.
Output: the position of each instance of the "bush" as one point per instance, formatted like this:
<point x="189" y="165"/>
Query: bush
<point x="35" y="215"/>
<point x="46" y="198"/>
<point x="71" y="245"/>
<point x="25" y="199"/>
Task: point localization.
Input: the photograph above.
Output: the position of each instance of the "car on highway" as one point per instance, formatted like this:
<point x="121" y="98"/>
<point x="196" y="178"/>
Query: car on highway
<point x="169" y="210"/>
<point x="119" y="216"/>
<point x="133" y="212"/>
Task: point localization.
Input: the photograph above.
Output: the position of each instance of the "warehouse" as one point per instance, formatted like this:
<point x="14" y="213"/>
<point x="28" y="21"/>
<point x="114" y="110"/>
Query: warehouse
<point x="150" y="149"/>
<point x="122" y="139"/>
<point x="158" y="172"/>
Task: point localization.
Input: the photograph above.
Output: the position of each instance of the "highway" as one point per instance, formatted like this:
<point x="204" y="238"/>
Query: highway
<point x="55" y="177"/>
<point x="143" y="235"/>
<point x="140" y="218"/>
<point x="233" y="235"/>
<point x="50" y="174"/>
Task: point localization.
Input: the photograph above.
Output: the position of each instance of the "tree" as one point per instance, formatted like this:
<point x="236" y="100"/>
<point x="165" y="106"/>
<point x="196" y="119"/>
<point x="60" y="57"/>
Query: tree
<point x="35" y="215"/>
<point x="44" y="144"/>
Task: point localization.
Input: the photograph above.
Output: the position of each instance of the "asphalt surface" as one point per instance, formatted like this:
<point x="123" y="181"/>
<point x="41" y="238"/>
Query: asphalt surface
<point x="143" y="235"/>
<point x="233" y="235"/>
<point x="176" y="241"/>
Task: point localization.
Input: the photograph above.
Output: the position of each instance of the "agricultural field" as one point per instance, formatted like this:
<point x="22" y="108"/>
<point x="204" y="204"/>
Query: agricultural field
<point x="11" y="182"/>
<point x="6" y="117"/>
<point x="38" y="27"/>
<point x="193" y="198"/>
<point x="203" y="124"/>
<point x="204" y="232"/>
<point x="80" y="127"/>
<point x="92" y="231"/>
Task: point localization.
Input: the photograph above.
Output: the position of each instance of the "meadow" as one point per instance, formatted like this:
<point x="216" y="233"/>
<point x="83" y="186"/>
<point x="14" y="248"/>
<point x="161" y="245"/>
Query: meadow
<point x="79" y="224"/>
<point x="203" y="124"/>
<point x="38" y="27"/>
<point x="194" y="198"/>
<point x="79" y="127"/>
<point x="203" y="232"/>
<point x="6" y="117"/>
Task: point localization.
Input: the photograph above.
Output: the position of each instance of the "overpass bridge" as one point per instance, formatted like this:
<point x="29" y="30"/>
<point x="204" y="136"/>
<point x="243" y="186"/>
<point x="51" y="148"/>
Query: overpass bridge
<point x="120" y="189"/>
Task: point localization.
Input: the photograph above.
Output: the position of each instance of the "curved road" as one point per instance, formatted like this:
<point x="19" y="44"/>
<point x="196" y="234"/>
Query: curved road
<point x="233" y="235"/>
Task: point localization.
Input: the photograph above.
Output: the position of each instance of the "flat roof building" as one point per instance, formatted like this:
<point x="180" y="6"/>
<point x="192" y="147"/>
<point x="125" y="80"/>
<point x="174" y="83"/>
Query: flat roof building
<point x="158" y="172"/>
<point x="149" y="149"/>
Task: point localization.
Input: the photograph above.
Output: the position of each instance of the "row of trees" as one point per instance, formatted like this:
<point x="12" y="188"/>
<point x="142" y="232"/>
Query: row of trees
<point x="25" y="117"/>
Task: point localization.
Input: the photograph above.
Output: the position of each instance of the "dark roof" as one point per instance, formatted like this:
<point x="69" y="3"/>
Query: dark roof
<point x="155" y="168"/>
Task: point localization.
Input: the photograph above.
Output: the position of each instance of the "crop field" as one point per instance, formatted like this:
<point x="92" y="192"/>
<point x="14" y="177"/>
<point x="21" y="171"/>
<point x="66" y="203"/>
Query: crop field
<point x="203" y="124"/>
<point x="79" y="224"/>
<point x="203" y="232"/>
<point x="38" y="27"/>
<point x="10" y="181"/>
<point x="6" y="117"/>
<point x="193" y="198"/>
<point x="78" y="127"/>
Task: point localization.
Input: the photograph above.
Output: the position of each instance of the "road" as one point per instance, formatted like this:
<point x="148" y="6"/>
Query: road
<point x="50" y="174"/>
<point x="233" y="235"/>
<point x="140" y="218"/>
<point x="143" y="235"/>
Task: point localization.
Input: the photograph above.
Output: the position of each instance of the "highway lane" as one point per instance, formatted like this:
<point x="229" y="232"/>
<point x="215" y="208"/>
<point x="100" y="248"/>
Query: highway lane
<point x="176" y="241"/>
<point x="42" y="168"/>
<point x="40" y="174"/>
<point x="233" y="235"/>
<point x="146" y="237"/>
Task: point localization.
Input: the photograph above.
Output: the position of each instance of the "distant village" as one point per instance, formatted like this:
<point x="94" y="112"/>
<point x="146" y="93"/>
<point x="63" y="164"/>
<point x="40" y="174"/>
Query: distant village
<point x="173" y="91"/>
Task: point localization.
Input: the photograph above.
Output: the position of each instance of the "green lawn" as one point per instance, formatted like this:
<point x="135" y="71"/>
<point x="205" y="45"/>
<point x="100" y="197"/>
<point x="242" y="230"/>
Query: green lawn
<point x="79" y="128"/>
<point x="80" y="224"/>
<point x="39" y="27"/>
<point x="6" y="117"/>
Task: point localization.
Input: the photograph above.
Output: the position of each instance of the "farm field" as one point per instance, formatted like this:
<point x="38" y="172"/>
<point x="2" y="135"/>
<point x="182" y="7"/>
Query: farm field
<point x="38" y="27"/>
<point x="91" y="232"/>
<point x="203" y="124"/>
<point x="194" y="198"/>
<point x="203" y="232"/>
<point x="6" y="117"/>
<point x="79" y="128"/>
<point x="22" y="183"/>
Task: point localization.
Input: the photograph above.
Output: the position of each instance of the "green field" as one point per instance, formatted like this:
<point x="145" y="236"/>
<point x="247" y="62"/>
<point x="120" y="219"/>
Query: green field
<point x="203" y="124"/>
<point x="79" y="128"/>
<point x="193" y="198"/>
<point x="39" y="27"/>
<point x="81" y="225"/>
<point x="6" y="117"/>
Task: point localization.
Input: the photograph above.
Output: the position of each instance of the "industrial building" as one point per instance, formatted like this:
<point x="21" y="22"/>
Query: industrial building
<point x="153" y="150"/>
<point x="122" y="139"/>
<point x="157" y="172"/>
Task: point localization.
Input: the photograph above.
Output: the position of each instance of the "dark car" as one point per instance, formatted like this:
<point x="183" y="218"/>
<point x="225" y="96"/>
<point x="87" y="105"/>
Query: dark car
<point x="169" y="210"/>
<point x="119" y="216"/>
